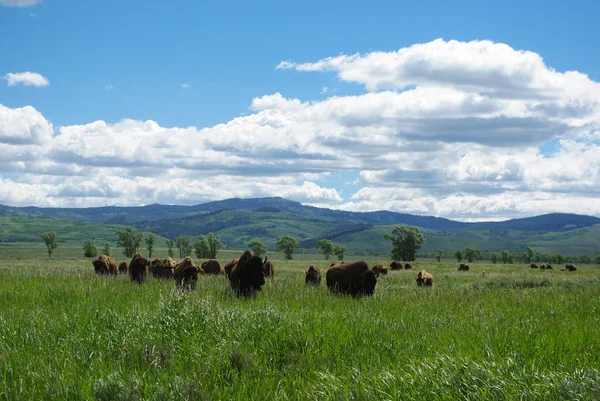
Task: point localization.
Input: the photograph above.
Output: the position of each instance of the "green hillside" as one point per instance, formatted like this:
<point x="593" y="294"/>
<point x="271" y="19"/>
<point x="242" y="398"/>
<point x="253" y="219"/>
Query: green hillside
<point x="29" y="229"/>
<point x="237" y="228"/>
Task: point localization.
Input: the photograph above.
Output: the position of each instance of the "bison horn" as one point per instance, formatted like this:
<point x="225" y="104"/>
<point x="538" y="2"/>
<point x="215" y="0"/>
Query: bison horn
<point x="265" y="260"/>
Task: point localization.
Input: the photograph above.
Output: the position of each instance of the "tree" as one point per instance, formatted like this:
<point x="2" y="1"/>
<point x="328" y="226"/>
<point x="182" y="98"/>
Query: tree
<point x="597" y="259"/>
<point x="504" y="256"/>
<point x="149" y="240"/>
<point x="214" y="244"/>
<point x="529" y="251"/>
<point x="494" y="258"/>
<point x="89" y="249"/>
<point x="288" y="246"/>
<point x="470" y="254"/>
<point x="51" y="241"/>
<point x="201" y="248"/>
<point x="170" y="245"/>
<point x="458" y="255"/>
<point x="257" y="247"/>
<point x="129" y="240"/>
<point x="183" y="244"/>
<point x="106" y="249"/>
<point x="439" y="254"/>
<point x="339" y="250"/>
<point x="405" y="242"/>
<point x="326" y="247"/>
<point x="585" y="259"/>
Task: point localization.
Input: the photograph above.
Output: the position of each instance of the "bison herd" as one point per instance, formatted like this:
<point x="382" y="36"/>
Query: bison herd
<point x="247" y="273"/>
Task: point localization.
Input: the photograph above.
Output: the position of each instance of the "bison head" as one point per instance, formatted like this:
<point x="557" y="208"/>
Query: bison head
<point x="369" y="280"/>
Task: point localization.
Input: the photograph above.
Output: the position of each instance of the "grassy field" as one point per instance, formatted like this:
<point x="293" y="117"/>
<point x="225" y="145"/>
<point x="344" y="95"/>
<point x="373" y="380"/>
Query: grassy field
<point x="492" y="333"/>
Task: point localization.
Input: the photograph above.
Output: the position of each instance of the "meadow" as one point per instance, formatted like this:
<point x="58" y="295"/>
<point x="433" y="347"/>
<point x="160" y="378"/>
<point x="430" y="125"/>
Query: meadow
<point x="496" y="332"/>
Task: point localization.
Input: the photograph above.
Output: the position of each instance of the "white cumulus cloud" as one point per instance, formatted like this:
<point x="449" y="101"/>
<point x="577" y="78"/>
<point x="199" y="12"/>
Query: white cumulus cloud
<point x="446" y="128"/>
<point x="19" y="3"/>
<point x="26" y="78"/>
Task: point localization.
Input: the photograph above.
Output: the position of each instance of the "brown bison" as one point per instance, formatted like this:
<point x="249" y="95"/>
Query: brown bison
<point x="162" y="268"/>
<point x="105" y="265"/>
<point x="570" y="267"/>
<point x="186" y="274"/>
<point x="395" y="265"/>
<point x="353" y="278"/>
<point x="229" y="266"/>
<point x="534" y="266"/>
<point x="247" y="276"/>
<point x="138" y="268"/>
<point x="546" y="266"/>
<point x="408" y="266"/>
<point x="268" y="269"/>
<point x="424" y="279"/>
<point x="123" y="268"/>
<point x="313" y="276"/>
<point x="463" y="267"/>
<point x="379" y="269"/>
<point x="211" y="266"/>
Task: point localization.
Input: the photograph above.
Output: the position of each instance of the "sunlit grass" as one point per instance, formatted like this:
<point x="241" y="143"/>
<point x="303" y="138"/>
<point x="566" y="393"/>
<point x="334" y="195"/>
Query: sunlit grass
<point x="492" y="333"/>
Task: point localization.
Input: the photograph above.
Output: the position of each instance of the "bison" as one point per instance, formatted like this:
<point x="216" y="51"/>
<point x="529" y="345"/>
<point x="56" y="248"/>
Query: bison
<point x="268" y="269"/>
<point x="229" y="266"/>
<point x="424" y="279"/>
<point x="186" y="274"/>
<point x="352" y="278"/>
<point x="570" y="267"/>
<point x="211" y="266"/>
<point x="123" y="268"/>
<point x="313" y="276"/>
<point x="379" y="269"/>
<point x="162" y="268"/>
<point x="395" y="265"/>
<point x="138" y="268"/>
<point x="534" y="266"/>
<point x="247" y="276"/>
<point x="105" y="265"/>
<point x="463" y="267"/>
<point x="407" y="266"/>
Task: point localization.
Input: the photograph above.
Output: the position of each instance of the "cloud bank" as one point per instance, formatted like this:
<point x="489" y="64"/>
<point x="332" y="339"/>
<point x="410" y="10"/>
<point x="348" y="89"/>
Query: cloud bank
<point x="445" y="128"/>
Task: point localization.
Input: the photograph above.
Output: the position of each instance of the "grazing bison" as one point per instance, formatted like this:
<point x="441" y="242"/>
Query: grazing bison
<point x="407" y="266"/>
<point x="123" y="268"/>
<point x="570" y="267"/>
<point x="424" y="279"/>
<point x="186" y="274"/>
<point x="105" y="265"/>
<point x="229" y="266"/>
<point x="463" y="267"/>
<point x="534" y="266"/>
<point x="268" y="269"/>
<point x="395" y="265"/>
<point x="211" y="266"/>
<point x="138" y="268"/>
<point x="546" y="266"/>
<point x="161" y="268"/>
<point x="379" y="269"/>
<point x="313" y="276"/>
<point x="246" y="276"/>
<point x="352" y="278"/>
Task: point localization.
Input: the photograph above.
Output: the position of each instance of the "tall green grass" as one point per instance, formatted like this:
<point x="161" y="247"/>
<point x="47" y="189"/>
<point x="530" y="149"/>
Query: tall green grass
<point x="492" y="333"/>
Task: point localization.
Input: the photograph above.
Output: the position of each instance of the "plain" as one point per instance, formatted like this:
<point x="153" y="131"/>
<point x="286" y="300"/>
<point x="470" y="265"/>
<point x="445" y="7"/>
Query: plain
<point x="495" y="332"/>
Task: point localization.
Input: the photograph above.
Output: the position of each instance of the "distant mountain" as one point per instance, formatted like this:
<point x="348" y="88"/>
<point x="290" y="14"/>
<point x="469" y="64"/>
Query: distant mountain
<point x="237" y="221"/>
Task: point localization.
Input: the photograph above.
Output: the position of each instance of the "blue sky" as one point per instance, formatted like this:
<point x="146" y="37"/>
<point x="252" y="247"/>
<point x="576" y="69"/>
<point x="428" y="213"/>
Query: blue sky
<point x="183" y="64"/>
